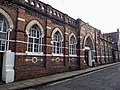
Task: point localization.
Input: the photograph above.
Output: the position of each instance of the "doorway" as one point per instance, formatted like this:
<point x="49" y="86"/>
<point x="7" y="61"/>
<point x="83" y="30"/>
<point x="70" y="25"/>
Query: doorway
<point x="1" y="63"/>
<point x="87" y="57"/>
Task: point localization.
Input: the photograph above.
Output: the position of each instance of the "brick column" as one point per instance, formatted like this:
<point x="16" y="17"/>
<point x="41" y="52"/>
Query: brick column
<point x="66" y="38"/>
<point x="48" y="43"/>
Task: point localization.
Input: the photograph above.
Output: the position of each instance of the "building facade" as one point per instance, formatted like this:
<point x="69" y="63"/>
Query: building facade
<point x="38" y="40"/>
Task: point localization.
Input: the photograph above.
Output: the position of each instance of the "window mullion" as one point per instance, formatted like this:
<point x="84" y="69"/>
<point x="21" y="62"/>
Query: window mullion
<point x="55" y="47"/>
<point x="59" y="47"/>
<point x="33" y="44"/>
<point x="2" y="26"/>
<point x="41" y="44"/>
<point x="75" y="48"/>
<point x="28" y="43"/>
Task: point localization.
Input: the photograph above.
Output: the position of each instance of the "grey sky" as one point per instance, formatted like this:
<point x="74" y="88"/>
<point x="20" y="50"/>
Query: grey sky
<point x="101" y="14"/>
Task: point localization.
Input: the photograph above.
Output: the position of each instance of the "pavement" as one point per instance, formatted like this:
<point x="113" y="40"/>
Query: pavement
<point x="52" y="78"/>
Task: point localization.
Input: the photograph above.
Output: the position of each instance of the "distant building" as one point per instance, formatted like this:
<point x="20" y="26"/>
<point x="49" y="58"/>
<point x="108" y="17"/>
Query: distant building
<point x="115" y="39"/>
<point x="37" y="40"/>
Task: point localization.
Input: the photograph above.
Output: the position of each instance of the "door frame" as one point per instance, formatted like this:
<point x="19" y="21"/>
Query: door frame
<point x="1" y="65"/>
<point x="89" y="56"/>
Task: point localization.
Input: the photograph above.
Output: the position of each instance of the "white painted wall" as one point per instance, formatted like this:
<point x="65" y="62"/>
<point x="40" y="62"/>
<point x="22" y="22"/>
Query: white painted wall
<point x="8" y="66"/>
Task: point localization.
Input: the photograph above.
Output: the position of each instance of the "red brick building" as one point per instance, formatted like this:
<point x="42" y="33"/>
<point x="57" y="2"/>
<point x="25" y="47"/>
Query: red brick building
<point x="37" y="40"/>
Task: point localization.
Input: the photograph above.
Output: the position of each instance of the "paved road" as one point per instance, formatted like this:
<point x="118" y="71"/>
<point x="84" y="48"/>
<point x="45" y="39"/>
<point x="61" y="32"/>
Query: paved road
<point x="107" y="79"/>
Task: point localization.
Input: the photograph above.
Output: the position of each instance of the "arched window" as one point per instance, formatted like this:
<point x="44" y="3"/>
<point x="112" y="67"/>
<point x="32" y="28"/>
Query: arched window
<point x="57" y="43"/>
<point x="3" y="33"/>
<point x="35" y="39"/>
<point x="72" y="46"/>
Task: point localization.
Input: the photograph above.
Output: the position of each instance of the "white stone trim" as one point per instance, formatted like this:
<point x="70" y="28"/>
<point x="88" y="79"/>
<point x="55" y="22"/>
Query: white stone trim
<point x="34" y="53"/>
<point x="20" y="54"/>
<point x="53" y="54"/>
<point x="72" y="34"/>
<point x="21" y="19"/>
<point x="96" y="56"/>
<point x="87" y="48"/>
<point x="8" y="18"/>
<point x="48" y="27"/>
<point x="82" y="56"/>
<point x="88" y="35"/>
<point x="57" y="59"/>
<point x="18" y="41"/>
<point x="55" y="30"/>
<point x="73" y="55"/>
<point x="31" y="23"/>
<point x="82" y="49"/>
<point x="48" y="55"/>
<point x="34" y="60"/>
<point x="66" y="33"/>
<point x="2" y="51"/>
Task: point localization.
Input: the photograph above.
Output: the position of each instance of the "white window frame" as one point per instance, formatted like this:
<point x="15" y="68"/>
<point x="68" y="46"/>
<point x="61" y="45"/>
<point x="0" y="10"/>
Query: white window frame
<point x="57" y="39"/>
<point x="2" y="32"/>
<point x="72" y="46"/>
<point x="71" y="54"/>
<point x="33" y="52"/>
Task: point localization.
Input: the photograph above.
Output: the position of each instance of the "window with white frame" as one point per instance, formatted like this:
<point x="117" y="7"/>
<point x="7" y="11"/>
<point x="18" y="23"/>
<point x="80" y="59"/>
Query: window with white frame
<point x="57" y="43"/>
<point x="72" y="46"/>
<point x="35" y="40"/>
<point x="3" y="33"/>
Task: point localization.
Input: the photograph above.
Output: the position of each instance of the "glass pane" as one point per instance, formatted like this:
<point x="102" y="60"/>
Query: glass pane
<point x="30" y="46"/>
<point x="2" y="35"/>
<point x="5" y="27"/>
<point x="36" y="48"/>
<point x="0" y="25"/>
<point x="54" y="50"/>
<point x="55" y="38"/>
<point x="58" y="44"/>
<point x="54" y="44"/>
<point x="36" y="41"/>
<point x="33" y="33"/>
<point x="40" y="49"/>
<point x="30" y="34"/>
<point x="58" y="50"/>
<point x="31" y="40"/>
<point x="2" y="45"/>
<point x="38" y="34"/>
<point x="1" y="18"/>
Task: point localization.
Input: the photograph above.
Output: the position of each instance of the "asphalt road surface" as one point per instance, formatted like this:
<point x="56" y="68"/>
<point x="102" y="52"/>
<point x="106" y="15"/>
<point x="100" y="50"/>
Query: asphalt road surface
<point x="105" y="79"/>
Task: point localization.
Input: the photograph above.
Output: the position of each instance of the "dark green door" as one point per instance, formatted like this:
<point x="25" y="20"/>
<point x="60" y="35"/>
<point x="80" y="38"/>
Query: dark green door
<point x="1" y="62"/>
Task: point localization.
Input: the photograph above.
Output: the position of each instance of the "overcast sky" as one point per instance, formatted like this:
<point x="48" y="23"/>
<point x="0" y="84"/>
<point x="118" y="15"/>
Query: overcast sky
<point x="101" y="14"/>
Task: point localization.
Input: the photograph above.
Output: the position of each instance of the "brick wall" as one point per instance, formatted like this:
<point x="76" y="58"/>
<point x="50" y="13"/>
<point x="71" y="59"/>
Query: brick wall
<point x="30" y="66"/>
